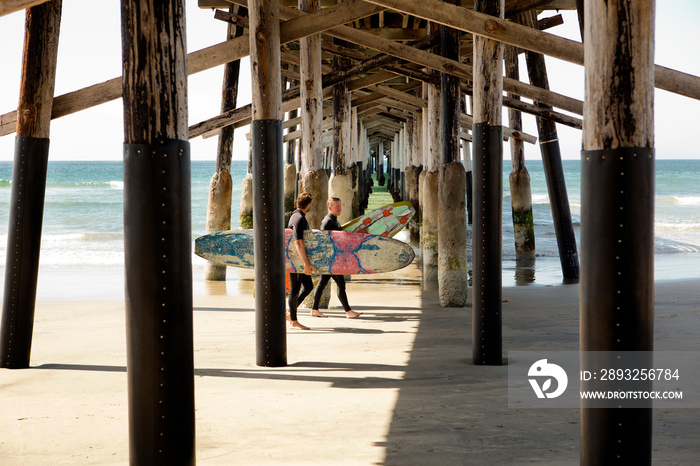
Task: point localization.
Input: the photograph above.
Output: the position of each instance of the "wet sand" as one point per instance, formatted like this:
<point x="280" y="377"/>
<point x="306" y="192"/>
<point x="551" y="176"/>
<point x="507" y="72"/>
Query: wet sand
<point x="395" y="386"/>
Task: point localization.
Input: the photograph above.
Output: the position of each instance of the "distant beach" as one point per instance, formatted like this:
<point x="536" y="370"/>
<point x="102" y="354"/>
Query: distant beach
<point x="83" y="223"/>
<point x="380" y="372"/>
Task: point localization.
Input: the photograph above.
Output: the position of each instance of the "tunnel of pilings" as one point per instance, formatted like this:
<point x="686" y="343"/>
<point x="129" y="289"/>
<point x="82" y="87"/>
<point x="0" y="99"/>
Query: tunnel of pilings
<point x="347" y="96"/>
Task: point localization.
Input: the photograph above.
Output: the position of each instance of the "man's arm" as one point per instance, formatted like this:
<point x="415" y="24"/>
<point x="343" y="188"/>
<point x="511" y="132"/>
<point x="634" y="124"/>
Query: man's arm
<point x="299" y="244"/>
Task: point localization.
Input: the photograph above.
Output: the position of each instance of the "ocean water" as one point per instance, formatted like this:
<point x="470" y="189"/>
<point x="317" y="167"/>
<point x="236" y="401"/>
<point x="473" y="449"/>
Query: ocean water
<point x="83" y="214"/>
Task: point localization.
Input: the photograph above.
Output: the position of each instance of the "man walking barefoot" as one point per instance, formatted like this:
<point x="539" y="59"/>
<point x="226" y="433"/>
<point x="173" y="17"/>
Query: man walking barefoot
<point x="301" y="283"/>
<point x="330" y="222"/>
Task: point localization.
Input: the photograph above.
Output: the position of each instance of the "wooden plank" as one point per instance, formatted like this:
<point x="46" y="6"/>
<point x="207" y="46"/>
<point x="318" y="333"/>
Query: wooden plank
<point x="326" y="18"/>
<point x="232" y="50"/>
<point x="10" y="6"/>
<point x="399" y="104"/>
<point x="199" y="60"/>
<point x="525" y="107"/>
<point x="467" y="121"/>
<point x="441" y="64"/>
<point x="398" y="95"/>
<point x="290" y="101"/>
<point x="528" y="38"/>
<point x="549" y="4"/>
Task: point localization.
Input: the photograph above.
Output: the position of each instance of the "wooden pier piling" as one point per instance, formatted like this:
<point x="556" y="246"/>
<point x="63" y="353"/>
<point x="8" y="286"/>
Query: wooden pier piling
<point x="453" y="275"/>
<point x="519" y="178"/>
<point x="268" y="187"/>
<point x="29" y="183"/>
<point x="314" y="175"/>
<point x="413" y="175"/>
<point x="340" y="183"/>
<point x="245" y="212"/>
<point x="157" y="234"/>
<point x="553" y="169"/>
<point x="429" y="189"/>
<point x="221" y="185"/>
<point x="617" y="214"/>
<point x="291" y="184"/>
<point x="487" y="239"/>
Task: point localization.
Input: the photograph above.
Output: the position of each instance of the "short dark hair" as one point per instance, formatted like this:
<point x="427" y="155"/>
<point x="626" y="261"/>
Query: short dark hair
<point x="303" y="200"/>
<point x="331" y="200"/>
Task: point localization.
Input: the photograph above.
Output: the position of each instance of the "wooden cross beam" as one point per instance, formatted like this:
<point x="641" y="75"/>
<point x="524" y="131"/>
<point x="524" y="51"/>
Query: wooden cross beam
<point x="527" y="38"/>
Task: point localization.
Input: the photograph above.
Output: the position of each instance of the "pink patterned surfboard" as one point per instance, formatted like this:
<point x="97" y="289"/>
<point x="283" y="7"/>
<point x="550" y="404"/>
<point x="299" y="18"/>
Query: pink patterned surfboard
<point x="385" y="221"/>
<point x="330" y="252"/>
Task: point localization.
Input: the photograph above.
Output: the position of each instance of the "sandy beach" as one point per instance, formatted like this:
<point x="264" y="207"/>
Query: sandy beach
<point x="396" y="386"/>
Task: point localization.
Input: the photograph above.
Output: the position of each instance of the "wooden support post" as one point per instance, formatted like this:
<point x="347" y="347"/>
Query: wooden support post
<point x="157" y="233"/>
<point x="362" y="186"/>
<point x="396" y="165"/>
<point x="466" y="150"/>
<point x="290" y="174"/>
<point x="617" y="214"/>
<point x="354" y="172"/>
<point x="554" y="171"/>
<point x="340" y="183"/>
<point x="413" y="175"/>
<point x="581" y="17"/>
<point x="520" y="195"/>
<point x="453" y="275"/>
<point x="487" y="240"/>
<point x="423" y="157"/>
<point x="468" y="177"/>
<point x="389" y="171"/>
<point x="396" y="161"/>
<point x="362" y="153"/>
<point x="292" y="143"/>
<point x="429" y="241"/>
<point x="29" y="183"/>
<point x="268" y="205"/>
<point x="401" y="166"/>
<point x="380" y="164"/>
<point x="401" y="174"/>
<point x="245" y="215"/>
<point x="315" y="178"/>
<point x="221" y="185"/>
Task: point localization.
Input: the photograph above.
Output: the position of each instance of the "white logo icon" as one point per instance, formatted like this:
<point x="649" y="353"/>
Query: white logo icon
<point x="551" y="371"/>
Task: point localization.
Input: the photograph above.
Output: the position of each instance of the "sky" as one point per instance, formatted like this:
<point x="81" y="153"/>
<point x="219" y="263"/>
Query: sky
<point x="90" y="53"/>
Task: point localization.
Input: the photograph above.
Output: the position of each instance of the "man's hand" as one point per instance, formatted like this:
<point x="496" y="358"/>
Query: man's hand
<point x="308" y="268"/>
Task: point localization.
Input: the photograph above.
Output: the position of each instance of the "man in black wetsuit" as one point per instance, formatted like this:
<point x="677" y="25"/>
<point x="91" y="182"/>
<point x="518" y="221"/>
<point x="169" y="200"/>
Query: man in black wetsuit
<point x="300" y="283"/>
<point x="330" y="222"/>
